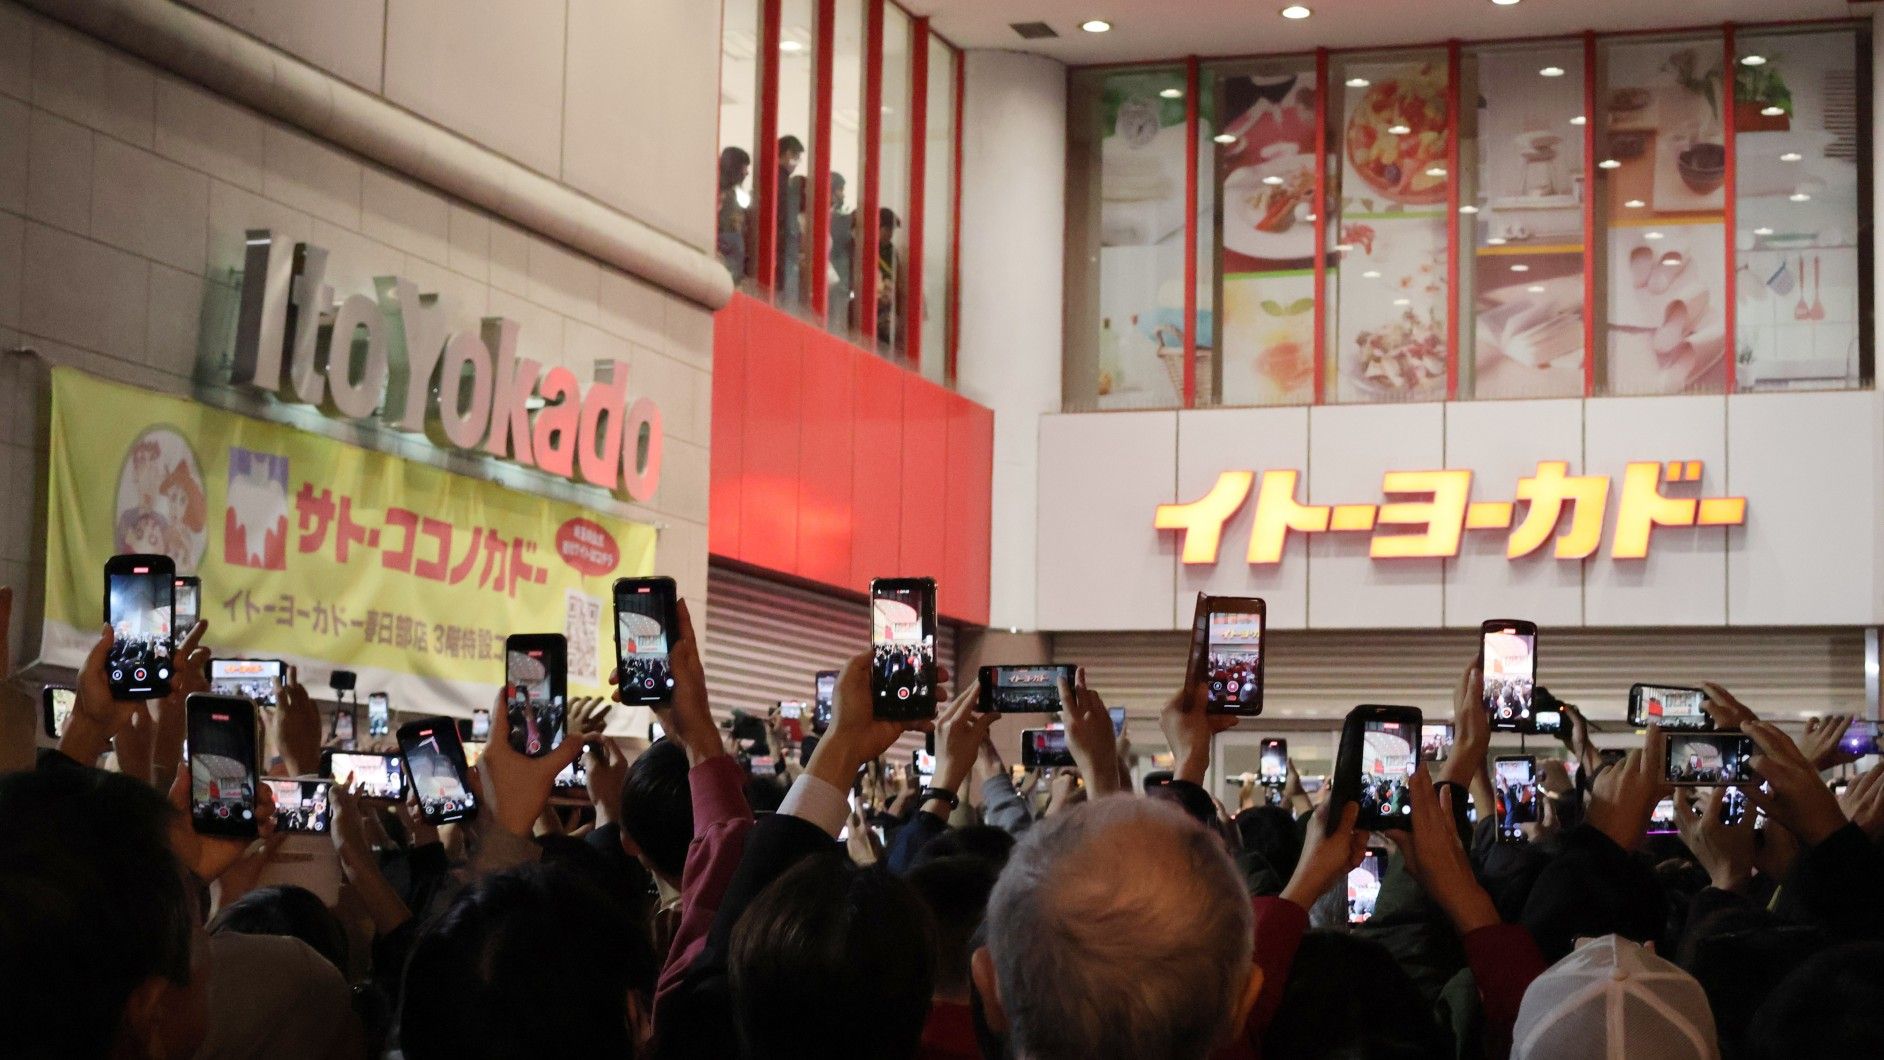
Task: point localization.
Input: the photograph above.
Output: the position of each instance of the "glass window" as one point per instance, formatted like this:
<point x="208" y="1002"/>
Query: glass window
<point x="1387" y="291"/>
<point x="739" y="122"/>
<point x="1660" y="187"/>
<point x="1797" y="154"/>
<point x="847" y="158"/>
<point x="1264" y="239"/>
<point x="796" y="80"/>
<point x="893" y="182"/>
<point x="1521" y="221"/>
<point x="938" y="190"/>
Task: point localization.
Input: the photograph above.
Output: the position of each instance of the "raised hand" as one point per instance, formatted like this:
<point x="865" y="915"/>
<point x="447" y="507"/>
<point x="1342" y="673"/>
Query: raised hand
<point x="189" y="676"/>
<point x="211" y="856"/>
<point x="1090" y="737"/>
<point x="1724" y="850"/>
<point x="1434" y="856"/>
<point x="1623" y="797"/>
<point x="96" y="715"/>
<point x="516" y="786"/>
<point x="1328" y="855"/>
<point x="960" y="730"/>
<point x="1863" y="802"/>
<point x="686" y="717"/>
<point x="856" y="734"/>
<point x="588" y="716"/>
<point x="1820" y="742"/>
<point x="607" y="771"/>
<point x="1189" y="729"/>
<point x="298" y="731"/>
<point x="1471" y="730"/>
<point x="1798" y="799"/>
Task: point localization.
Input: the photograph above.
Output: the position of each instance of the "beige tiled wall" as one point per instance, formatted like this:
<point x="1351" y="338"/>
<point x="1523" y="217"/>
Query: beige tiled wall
<point x="124" y="196"/>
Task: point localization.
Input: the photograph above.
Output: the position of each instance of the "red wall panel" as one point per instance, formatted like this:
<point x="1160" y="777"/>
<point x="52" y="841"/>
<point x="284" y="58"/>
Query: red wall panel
<point x="925" y="464"/>
<point x="728" y="431"/>
<point x="877" y="465"/>
<point x="825" y="481"/>
<point x="768" y="494"/>
<point x="970" y="495"/>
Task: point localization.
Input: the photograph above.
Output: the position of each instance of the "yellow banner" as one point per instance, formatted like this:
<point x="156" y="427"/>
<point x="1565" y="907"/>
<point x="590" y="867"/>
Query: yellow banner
<point x="322" y="553"/>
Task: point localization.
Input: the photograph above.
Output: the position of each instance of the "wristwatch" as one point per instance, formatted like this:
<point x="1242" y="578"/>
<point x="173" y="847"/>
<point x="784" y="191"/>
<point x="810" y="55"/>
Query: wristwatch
<point x="945" y="795"/>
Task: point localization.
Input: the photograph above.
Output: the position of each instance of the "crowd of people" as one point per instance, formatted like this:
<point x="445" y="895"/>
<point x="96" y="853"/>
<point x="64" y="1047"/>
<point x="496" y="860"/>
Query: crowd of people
<point x="830" y="906"/>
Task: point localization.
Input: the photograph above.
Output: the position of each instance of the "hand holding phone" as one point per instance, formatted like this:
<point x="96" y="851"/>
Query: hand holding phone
<point x="536" y="696"/>
<point x="1380" y="748"/>
<point x="1673" y="707"/>
<point x="902" y="644"/>
<point x="646" y="626"/>
<point x="1516" y="795"/>
<point x="434" y="759"/>
<point x="223" y="749"/>
<point x="1508" y="664"/>
<point x="1226" y="658"/>
<point x="1274" y="762"/>
<point x="1024" y="689"/>
<point x="140" y="607"/>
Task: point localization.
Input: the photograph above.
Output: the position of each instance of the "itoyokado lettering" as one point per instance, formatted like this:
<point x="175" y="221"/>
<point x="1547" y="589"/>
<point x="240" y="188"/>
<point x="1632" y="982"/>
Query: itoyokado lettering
<point x="461" y="388"/>
<point x="1429" y="513"/>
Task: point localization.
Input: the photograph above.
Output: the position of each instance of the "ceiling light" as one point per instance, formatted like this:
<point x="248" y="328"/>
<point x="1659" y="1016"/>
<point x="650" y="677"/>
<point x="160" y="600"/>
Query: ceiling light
<point x="1579" y="120"/>
<point x="1504" y="3"/>
<point x="1224" y="138"/>
<point x="1551" y="71"/>
<point x="1403" y="301"/>
<point x="1436" y="171"/>
<point x="1520" y="268"/>
<point x="1536" y="288"/>
<point x="1753" y="60"/>
<point x="1272" y="180"/>
<point x="1296" y="11"/>
<point x="1799" y="196"/>
<point x="1468" y="208"/>
<point x="1358" y="82"/>
<point x="1172" y="93"/>
<point x="1651" y="236"/>
<point x="1495" y="241"/>
<point x="1343" y="248"/>
<point x="790" y="46"/>
<point x="1762" y="231"/>
<point x="1635" y="204"/>
<point x="1399" y="130"/>
<point x="1609" y="163"/>
<point x="1095" y="25"/>
<point x="1791" y="156"/>
<point x="1310" y="217"/>
<point x="1772" y="112"/>
<point x="1371" y="274"/>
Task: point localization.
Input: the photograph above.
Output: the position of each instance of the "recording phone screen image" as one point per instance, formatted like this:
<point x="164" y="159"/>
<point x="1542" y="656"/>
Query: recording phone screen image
<point x="257" y="680"/>
<point x="222" y="748"/>
<point x="1026" y="689"/>
<point x="1387" y="764"/>
<point x="1274" y="764"/>
<point x="573" y="777"/>
<point x="1233" y="657"/>
<point x="63" y="700"/>
<point x="1516" y="791"/>
<point x="300" y="805"/>
<point x="188" y="607"/>
<point x="377" y="776"/>
<point x="535" y="711"/>
<point x="642" y="634"/>
<point x="1707" y="758"/>
<point x="1662" y="821"/>
<point x="1435" y="741"/>
<point x="1364" y="887"/>
<point x="435" y="778"/>
<point x="1510" y="670"/>
<point x="1673" y="708"/>
<point x="141" y="627"/>
<point x="904" y="654"/>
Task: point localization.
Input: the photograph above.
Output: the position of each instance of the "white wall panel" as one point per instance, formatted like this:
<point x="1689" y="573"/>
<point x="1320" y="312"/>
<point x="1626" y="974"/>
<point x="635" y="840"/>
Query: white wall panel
<point x="1683" y="580"/>
<point x="1503" y="441"/>
<point x="1349" y="447"/>
<point x="1102" y="564"/>
<point x="490" y="69"/>
<point x="1806" y="553"/>
<point x="341" y="37"/>
<point x="1213" y="441"/>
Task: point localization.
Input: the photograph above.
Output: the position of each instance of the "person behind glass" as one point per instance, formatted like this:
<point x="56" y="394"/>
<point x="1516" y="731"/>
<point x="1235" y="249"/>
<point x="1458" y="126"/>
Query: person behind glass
<point x="843" y="258"/>
<point x="889" y="281"/>
<point x="730" y="244"/>
<point x="791" y="151"/>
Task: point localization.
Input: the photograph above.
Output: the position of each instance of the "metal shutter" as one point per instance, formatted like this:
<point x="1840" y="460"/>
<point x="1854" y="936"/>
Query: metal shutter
<point x="767" y="640"/>
<point x="1782" y="673"/>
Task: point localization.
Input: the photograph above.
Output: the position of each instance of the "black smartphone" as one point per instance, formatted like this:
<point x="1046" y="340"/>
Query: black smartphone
<point x="1514" y="779"/>
<point x="1860" y="739"/>
<point x="826" y="692"/>
<point x="1507" y="658"/>
<point x="222" y="752"/>
<point x="1364" y="885"/>
<point x="1435" y="741"/>
<point x="1024" y="689"/>
<point x="1733" y="806"/>
<point x="189" y="594"/>
<point x="1546" y="713"/>
<point x="55" y="708"/>
<point x="301" y="805"/>
<point x="141" y="606"/>
<point x="377" y="776"/>
<point x="1117" y="714"/>
<point x="480" y="724"/>
<point x="256" y="680"/>
<point x="1709" y="759"/>
<point x="1045" y="748"/>
<point x="536" y="667"/>
<point x="902" y="644"/>
<point x="646" y="623"/>
<point x="1227" y="653"/>
<point x="378" y="714"/>
<point x="1670" y="706"/>
<point x="923" y="762"/>
<point x="572" y="781"/>
<point x="1379" y="752"/>
<point x="1274" y="767"/>
<point x="434" y="760"/>
<point x="1662" y="820"/>
<point x="343" y="724"/>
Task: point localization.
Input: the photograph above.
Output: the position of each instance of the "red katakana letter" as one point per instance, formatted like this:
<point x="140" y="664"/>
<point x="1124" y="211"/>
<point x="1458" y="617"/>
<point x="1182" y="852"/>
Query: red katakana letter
<point x="351" y="532"/>
<point x="400" y="560"/>
<point x="440" y="531"/>
<point x="463" y="569"/>
<point x="315" y="512"/>
<point x="496" y="553"/>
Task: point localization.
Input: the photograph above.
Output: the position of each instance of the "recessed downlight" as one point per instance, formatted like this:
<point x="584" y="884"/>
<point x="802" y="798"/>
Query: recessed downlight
<point x="790" y="46"/>
<point x="1172" y="93"/>
<point x="1753" y="60"/>
<point x="1551" y="71"/>
<point x="1358" y="82"/>
<point x="1096" y="25"/>
<point x="1224" y="138"/>
<point x="1609" y="163"/>
<point x="1579" y="120"/>
<point x="1296" y="12"/>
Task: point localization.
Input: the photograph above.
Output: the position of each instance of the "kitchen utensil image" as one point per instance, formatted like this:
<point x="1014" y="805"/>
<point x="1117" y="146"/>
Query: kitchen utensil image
<point x="1780" y="283"/>
<point x="1801" y="311"/>
<point x="1818" y="307"/>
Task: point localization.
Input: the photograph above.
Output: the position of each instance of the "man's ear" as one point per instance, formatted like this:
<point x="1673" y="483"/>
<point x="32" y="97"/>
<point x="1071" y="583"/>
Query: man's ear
<point x="144" y="1015"/>
<point x="628" y="845"/>
<point x="1251" y="991"/>
<point x="981" y="968"/>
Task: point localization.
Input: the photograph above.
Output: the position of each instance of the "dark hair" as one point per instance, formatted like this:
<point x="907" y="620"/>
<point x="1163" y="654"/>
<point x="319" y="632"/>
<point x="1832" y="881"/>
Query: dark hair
<point x="832" y="960"/>
<point x="608" y="867"/>
<point x="92" y="904"/>
<point x="1347" y="997"/>
<point x="1271" y="832"/>
<point x="789" y="143"/>
<point x="1826" y="1007"/>
<point x="475" y="984"/>
<point x="764" y="793"/>
<point x="983" y="841"/>
<point x="657" y="806"/>
<point x="287" y="910"/>
<point x="956" y="890"/>
<point x="734" y="161"/>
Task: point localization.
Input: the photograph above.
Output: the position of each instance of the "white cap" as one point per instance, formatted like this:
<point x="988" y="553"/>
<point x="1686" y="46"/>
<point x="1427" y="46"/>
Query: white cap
<point x="1612" y="998"/>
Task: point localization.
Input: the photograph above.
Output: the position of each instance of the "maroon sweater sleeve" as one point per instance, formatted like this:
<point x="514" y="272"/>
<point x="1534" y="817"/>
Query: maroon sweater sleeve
<point x="1280" y="925"/>
<point x="721" y="819"/>
<point x="1505" y="960"/>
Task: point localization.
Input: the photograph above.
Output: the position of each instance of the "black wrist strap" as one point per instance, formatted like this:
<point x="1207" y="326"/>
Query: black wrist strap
<point x="954" y="800"/>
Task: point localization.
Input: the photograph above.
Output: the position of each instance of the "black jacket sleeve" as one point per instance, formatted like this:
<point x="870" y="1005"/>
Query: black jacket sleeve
<point x="1827" y="879"/>
<point x="911" y="838"/>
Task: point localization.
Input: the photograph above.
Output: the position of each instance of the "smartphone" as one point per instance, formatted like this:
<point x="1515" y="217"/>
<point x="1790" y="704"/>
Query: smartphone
<point x="257" y="680"/>
<point x="1546" y="713"/>
<point x="434" y="759"/>
<point x="55" y="707"/>
<point x="791" y="718"/>
<point x="1708" y="759"/>
<point x="301" y="805"/>
<point x="1227" y="653"/>
<point x="1860" y="739"/>
<point x="825" y="691"/>
<point x="1507" y="658"/>
<point x="924" y="761"/>
<point x="480" y="724"/>
<point x="1515" y="783"/>
<point x="1364" y="885"/>
<point x="1117" y="714"/>
<point x="1662" y="820"/>
<point x="536" y="668"/>
<point x="1734" y="806"/>
<point x="1274" y="762"/>
<point x="140" y="605"/>
<point x="573" y="780"/>
<point x="1043" y="748"/>
<point x="378" y="714"/>
<point x="1024" y="689"/>
<point x="902" y="643"/>
<point x="1435" y="741"/>
<point x="1670" y="706"/>
<point x="222" y="752"/>
<point x="646" y="623"/>
<point x="189" y="594"/>
<point x="343" y="724"/>
<point x="377" y="776"/>
<point x="1379" y="752"/>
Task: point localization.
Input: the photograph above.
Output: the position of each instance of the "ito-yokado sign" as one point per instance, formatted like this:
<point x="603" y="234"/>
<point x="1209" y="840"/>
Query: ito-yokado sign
<point x="1434" y="509"/>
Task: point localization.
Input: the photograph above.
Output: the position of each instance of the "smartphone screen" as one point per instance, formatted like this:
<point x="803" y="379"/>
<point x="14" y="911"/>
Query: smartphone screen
<point x="1117" y="714"/>
<point x="825" y="692"/>
<point x="343" y="725"/>
<point x="256" y="680"/>
<point x="924" y="761"/>
<point x="791" y="718"/>
<point x="1508" y="662"/>
<point x="1707" y="759"/>
<point x="1734" y="806"/>
<point x="56" y="703"/>
<point x="1364" y="885"/>
<point x="1024" y="689"/>
<point x="189" y="592"/>
<point x="140" y="605"/>
<point x="301" y="806"/>
<point x="1044" y="748"/>
<point x="1275" y="762"/>
<point x="535" y="669"/>
<point x="1435" y="741"/>
<point x="1227" y="653"/>
<point x="435" y="761"/>
<point x="646" y="620"/>
<point x="1546" y="713"/>
<point x="1670" y="706"/>
<point x="222" y="753"/>
<point x="1514" y="778"/>
<point x="902" y="642"/>
<point x="1662" y="821"/>
<point x="378" y="714"/>
<point x="1379" y="752"/>
<point x="573" y="779"/>
<point x="377" y="776"/>
<point x="480" y="724"/>
<point x="1860" y="739"/>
